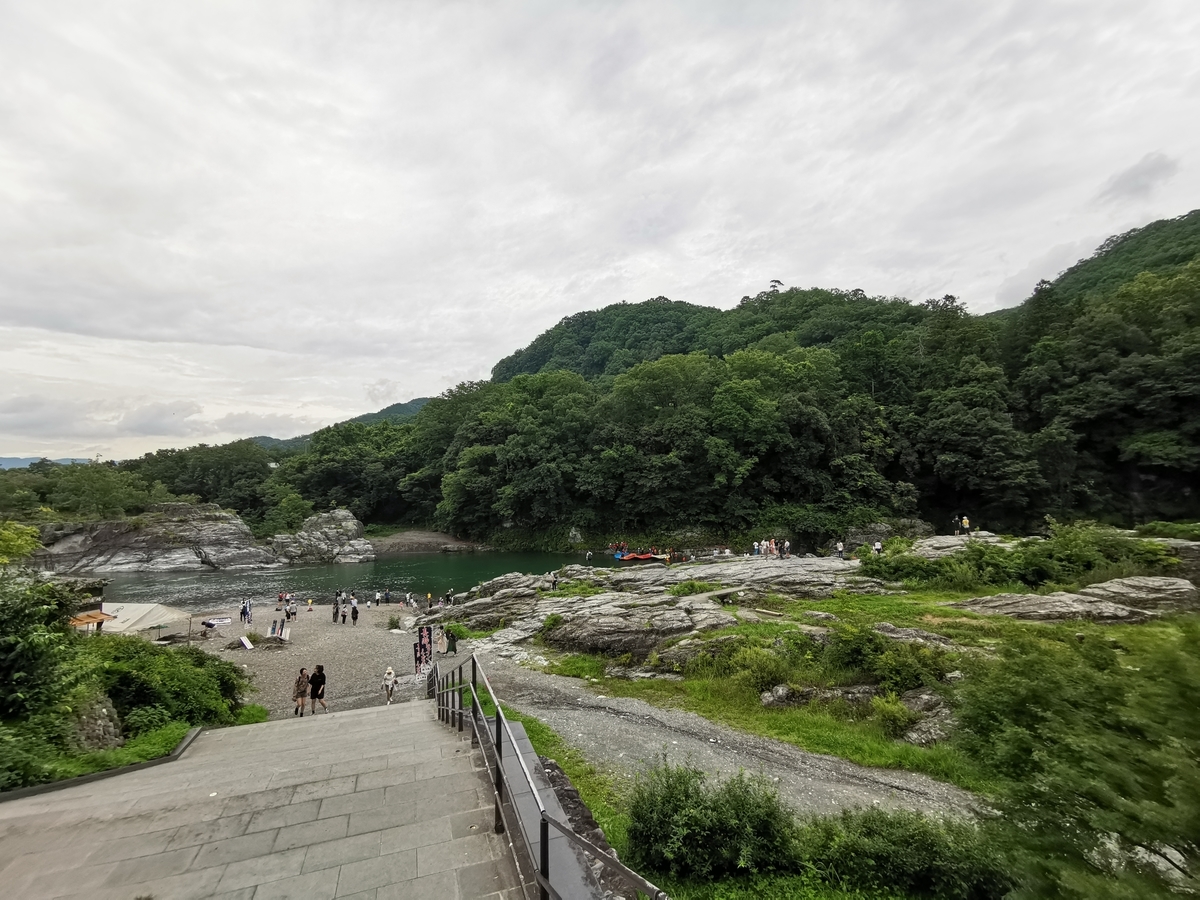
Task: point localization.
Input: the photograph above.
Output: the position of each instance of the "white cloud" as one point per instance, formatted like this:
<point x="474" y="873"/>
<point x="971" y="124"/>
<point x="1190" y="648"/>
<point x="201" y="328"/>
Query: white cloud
<point x="306" y="209"/>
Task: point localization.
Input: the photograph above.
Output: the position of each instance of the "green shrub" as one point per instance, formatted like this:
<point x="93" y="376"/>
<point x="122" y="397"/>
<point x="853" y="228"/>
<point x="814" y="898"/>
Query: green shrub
<point x="394" y="623"/>
<point x="760" y="668"/>
<point x="681" y="826"/>
<point x="892" y="715"/>
<point x="191" y="685"/>
<point x="903" y="852"/>
<point x="860" y="652"/>
<point x="551" y="622"/>
<point x="1184" y="531"/>
<point x="853" y="649"/>
<point x="145" y="718"/>
<point x="252" y="714"/>
<point x="690" y="587"/>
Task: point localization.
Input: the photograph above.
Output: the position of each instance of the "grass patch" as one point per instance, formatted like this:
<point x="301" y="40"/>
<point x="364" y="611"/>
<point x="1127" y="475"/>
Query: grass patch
<point x="142" y="748"/>
<point x="252" y="714"/>
<point x="691" y="586"/>
<point x="1184" y="531"/>
<point x="578" y="665"/>
<point x="580" y="588"/>
<point x="462" y="632"/>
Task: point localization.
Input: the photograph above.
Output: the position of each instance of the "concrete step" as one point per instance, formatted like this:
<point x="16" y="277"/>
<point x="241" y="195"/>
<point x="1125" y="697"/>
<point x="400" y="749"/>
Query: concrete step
<point x="369" y="803"/>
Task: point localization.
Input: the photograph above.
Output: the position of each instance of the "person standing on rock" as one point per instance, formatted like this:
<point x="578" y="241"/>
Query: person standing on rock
<point x="841" y="550"/>
<point x="441" y="641"/>
<point x="300" y="692"/>
<point x="451" y="642"/>
<point x="345" y="611"/>
<point x="966" y="526"/>
<point x="756" y="548"/>
<point x="787" y="548"/>
<point x="389" y="684"/>
<point x="316" y="689"/>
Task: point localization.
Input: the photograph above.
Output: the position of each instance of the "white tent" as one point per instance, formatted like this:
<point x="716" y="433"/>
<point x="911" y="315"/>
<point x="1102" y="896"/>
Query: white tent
<point x="134" y="617"/>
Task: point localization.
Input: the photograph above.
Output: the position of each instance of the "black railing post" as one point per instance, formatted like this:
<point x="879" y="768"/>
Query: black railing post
<point x="544" y="852"/>
<point x="499" y="826"/>
<point x="459" y="699"/>
<point x="474" y="706"/>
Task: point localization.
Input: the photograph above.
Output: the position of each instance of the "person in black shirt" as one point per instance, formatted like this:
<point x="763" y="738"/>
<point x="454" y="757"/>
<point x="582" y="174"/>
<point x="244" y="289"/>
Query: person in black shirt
<point x="316" y="688"/>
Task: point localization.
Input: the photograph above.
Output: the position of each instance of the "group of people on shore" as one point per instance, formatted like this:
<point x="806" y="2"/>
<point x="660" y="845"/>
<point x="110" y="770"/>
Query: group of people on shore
<point x="771" y="547"/>
<point x="309" y="688"/>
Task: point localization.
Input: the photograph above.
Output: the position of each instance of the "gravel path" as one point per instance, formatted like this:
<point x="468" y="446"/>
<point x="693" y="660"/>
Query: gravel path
<point x="354" y="657"/>
<point x="619" y="734"/>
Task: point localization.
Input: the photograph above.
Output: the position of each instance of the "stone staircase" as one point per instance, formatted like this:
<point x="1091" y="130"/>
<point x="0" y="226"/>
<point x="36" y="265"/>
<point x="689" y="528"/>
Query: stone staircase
<point x="369" y="804"/>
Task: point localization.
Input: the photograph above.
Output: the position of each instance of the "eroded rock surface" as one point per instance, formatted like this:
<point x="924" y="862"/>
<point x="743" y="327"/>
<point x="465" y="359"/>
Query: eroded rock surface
<point x="1057" y="607"/>
<point x="330" y="537"/>
<point x="943" y="545"/>
<point x="1147" y="592"/>
<point x="173" y="537"/>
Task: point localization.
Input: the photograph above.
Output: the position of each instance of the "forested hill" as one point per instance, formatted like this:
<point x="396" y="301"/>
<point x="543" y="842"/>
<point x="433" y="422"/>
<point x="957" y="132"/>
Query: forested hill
<point x="795" y="413"/>
<point x="612" y="340"/>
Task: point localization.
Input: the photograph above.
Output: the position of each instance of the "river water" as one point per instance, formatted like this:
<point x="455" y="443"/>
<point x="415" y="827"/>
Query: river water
<point x="421" y="573"/>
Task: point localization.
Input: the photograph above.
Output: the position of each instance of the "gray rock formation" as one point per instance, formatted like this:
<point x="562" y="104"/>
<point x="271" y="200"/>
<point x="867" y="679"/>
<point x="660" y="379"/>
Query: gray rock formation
<point x="916" y="636"/>
<point x="1188" y="553"/>
<point x="782" y="695"/>
<point x="937" y="719"/>
<point x="881" y="531"/>
<point x="173" y="537"/>
<point x="1057" y="607"/>
<point x="1147" y="592"/>
<point x="330" y="537"/>
<point x="944" y="545"/>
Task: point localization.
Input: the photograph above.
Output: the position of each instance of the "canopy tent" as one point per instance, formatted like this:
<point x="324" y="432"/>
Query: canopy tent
<point x="134" y="617"/>
<point x="88" y="619"/>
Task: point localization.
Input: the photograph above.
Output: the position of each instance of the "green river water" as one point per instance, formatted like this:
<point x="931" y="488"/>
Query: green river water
<point x="421" y="573"/>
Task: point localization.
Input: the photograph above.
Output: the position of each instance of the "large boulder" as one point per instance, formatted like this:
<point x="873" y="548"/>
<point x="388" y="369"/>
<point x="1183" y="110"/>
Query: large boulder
<point x="329" y="537"/>
<point x="1057" y="607"/>
<point x="944" y="545"/>
<point x="881" y="531"/>
<point x="937" y="719"/>
<point x="915" y="636"/>
<point x="1188" y="553"/>
<point x="171" y="537"/>
<point x="1147" y="592"/>
<point x="613" y="628"/>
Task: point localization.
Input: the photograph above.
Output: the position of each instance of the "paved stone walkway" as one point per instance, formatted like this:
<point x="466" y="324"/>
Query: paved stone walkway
<point x="369" y="804"/>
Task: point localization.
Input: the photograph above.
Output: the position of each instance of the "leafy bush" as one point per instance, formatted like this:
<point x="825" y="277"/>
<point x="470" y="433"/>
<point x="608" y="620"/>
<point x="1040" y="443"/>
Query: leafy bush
<point x="145" y="718"/>
<point x="1100" y="760"/>
<point x="760" y="668"/>
<point x="37" y="646"/>
<point x="551" y="622"/>
<point x="681" y="826"/>
<point x="863" y="653"/>
<point x="1184" y="531"/>
<point x="892" y="715"/>
<point x="1072" y="554"/>
<point x="394" y="624"/>
<point x="903" y="852"/>
<point x="690" y="587"/>
<point x="191" y="685"/>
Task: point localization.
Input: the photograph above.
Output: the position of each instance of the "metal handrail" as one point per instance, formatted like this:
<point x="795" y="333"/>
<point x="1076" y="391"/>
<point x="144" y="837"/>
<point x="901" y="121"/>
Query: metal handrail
<point x="447" y="711"/>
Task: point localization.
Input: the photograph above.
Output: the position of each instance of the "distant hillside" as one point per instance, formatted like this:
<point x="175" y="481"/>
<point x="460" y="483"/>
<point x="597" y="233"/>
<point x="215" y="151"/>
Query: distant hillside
<point x="612" y="340"/>
<point x="397" y="412"/>
<point x="21" y="462"/>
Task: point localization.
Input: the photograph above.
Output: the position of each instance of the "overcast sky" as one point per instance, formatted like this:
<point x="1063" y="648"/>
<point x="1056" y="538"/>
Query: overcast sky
<point x="227" y="219"/>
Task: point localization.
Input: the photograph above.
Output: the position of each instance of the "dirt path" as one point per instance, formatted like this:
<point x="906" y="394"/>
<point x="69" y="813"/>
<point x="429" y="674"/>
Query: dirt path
<point x="418" y="542"/>
<point x="619" y="734"/>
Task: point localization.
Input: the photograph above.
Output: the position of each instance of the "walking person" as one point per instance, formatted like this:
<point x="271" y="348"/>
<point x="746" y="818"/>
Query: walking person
<point x="441" y="641"/>
<point x="451" y="642"/>
<point x="300" y="692"/>
<point x="316" y="689"/>
<point x="957" y="523"/>
<point x="787" y="548"/>
<point x="389" y="684"/>
<point x="966" y="525"/>
<point x="354" y="614"/>
<point x="335" y="610"/>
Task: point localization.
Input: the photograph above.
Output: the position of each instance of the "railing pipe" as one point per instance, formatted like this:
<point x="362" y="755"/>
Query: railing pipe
<point x="544" y="848"/>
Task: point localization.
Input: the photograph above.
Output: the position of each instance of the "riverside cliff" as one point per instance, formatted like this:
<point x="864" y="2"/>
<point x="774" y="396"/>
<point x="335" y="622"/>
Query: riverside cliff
<point x="185" y="537"/>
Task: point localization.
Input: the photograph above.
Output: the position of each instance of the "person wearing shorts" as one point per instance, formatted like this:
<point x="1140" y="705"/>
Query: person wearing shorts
<point x="316" y="689"/>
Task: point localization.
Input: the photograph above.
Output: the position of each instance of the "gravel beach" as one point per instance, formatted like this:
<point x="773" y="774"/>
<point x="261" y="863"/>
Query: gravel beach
<point x="354" y="656"/>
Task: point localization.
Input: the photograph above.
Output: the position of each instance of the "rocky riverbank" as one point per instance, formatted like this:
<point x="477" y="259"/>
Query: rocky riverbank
<point x="185" y="537"/>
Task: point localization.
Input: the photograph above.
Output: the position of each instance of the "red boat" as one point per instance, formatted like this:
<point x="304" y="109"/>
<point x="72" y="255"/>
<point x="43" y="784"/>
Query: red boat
<point x="623" y="556"/>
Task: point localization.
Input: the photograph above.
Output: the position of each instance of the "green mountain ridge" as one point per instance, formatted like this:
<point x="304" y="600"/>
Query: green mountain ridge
<point x="397" y="412"/>
<point x="797" y="412"/>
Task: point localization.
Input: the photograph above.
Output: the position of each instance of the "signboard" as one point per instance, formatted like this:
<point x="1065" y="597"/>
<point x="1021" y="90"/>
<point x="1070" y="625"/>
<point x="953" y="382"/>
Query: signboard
<point x="423" y="648"/>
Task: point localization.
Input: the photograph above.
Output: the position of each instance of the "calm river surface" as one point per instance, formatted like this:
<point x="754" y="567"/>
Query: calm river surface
<point x="421" y="573"/>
